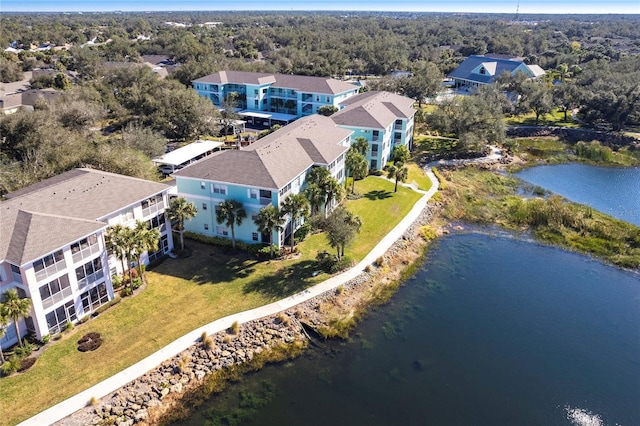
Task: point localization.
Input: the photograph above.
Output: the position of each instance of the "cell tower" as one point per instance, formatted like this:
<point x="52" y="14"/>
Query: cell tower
<point x="517" y="10"/>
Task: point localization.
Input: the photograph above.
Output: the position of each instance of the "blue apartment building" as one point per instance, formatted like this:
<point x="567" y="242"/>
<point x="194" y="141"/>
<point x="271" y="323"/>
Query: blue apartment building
<point x="267" y="99"/>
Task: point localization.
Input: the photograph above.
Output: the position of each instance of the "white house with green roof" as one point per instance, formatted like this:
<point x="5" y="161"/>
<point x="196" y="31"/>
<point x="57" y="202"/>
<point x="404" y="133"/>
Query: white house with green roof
<point x="53" y="250"/>
<point x="263" y="173"/>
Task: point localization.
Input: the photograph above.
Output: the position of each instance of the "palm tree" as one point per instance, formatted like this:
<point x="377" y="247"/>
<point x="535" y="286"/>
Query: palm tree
<point x="315" y="195"/>
<point x="295" y="206"/>
<point x="332" y="191"/>
<point x="361" y="145"/>
<point x="356" y="165"/>
<point x="4" y="319"/>
<point x="268" y="220"/>
<point x="180" y="210"/>
<point x="145" y="240"/>
<point x="231" y="213"/>
<point x="400" y="172"/>
<point x="15" y="307"/>
<point x="116" y="239"/>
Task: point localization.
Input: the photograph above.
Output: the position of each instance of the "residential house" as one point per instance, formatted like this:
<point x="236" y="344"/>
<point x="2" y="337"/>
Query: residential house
<point x="263" y="173"/>
<point x="385" y="119"/>
<point x="53" y="247"/>
<point x="268" y="99"/>
<point x="25" y="100"/>
<point x="477" y="70"/>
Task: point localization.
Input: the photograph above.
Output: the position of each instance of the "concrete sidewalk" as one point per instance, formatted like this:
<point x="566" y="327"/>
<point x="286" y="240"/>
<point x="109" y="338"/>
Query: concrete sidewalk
<point x="79" y="401"/>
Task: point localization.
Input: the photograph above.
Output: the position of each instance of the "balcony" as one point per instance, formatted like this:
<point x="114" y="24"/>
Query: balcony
<point x="85" y="252"/>
<point x="55" y="298"/>
<point x="90" y="279"/>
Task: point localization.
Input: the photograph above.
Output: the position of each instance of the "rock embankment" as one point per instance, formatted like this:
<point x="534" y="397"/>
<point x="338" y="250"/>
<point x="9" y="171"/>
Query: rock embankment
<point x="145" y="396"/>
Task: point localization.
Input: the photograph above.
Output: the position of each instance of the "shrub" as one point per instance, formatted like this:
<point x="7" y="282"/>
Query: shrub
<point x="302" y="232"/>
<point x="325" y="260"/>
<point x="367" y="268"/>
<point x="339" y="289"/>
<point x="25" y="350"/>
<point x="10" y="365"/>
<point x="46" y="339"/>
<point x="89" y="342"/>
<point x="93" y="401"/>
<point x="116" y="281"/>
<point x="235" y="328"/>
<point x="380" y="261"/>
<point x="428" y="233"/>
<point x="68" y="326"/>
<point x="341" y="265"/>
<point x="282" y="318"/>
<point x="126" y="291"/>
<point x="136" y="283"/>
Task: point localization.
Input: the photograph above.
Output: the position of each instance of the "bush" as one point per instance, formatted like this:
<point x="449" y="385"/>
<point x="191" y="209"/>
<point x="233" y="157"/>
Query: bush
<point x="10" y="365"/>
<point x="25" y="350"/>
<point x="428" y="233"/>
<point x="302" y="232"/>
<point x="116" y="281"/>
<point x="89" y="342"/>
<point x="136" y="283"/>
<point x="282" y="318"/>
<point x="325" y="260"/>
<point x="379" y="262"/>
<point x="224" y="242"/>
<point x="46" y="339"/>
<point x="68" y="326"/>
<point x="341" y="265"/>
<point x="235" y="328"/>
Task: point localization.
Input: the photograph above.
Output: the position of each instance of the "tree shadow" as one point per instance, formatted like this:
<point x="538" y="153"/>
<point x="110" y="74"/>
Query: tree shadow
<point x="378" y="194"/>
<point x="210" y="264"/>
<point x="287" y="281"/>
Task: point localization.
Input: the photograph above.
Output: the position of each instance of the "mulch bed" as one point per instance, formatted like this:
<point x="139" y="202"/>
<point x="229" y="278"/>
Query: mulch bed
<point x="89" y="342"/>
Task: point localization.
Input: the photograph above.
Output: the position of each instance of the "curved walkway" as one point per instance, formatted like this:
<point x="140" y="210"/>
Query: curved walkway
<point x="79" y="401"/>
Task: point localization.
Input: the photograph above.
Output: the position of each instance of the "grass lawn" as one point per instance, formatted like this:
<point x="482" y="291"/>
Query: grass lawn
<point x="556" y="118"/>
<point x="183" y="294"/>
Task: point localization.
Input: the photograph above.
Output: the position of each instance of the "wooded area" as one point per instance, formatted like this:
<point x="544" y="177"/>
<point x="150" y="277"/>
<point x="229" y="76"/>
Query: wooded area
<point x="114" y="115"/>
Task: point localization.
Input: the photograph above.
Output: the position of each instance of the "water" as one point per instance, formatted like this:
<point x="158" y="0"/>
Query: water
<point x="492" y="331"/>
<point x="614" y="191"/>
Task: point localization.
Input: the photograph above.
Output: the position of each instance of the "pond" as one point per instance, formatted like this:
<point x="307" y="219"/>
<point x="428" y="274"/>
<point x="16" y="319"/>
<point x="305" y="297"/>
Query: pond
<point x="614" y="191"/>
<point x="492" y="330"/>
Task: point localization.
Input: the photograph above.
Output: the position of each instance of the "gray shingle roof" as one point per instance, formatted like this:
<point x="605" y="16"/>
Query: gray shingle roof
<point x="301" y="83"/>
<point x="495" y="65"/>
<point x="375" y="110"/>
<point x="45" y="216"/>
<point x="275" y="160"/>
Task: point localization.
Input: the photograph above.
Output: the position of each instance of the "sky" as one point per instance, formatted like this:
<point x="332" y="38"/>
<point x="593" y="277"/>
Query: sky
<point x="479" y="6"/>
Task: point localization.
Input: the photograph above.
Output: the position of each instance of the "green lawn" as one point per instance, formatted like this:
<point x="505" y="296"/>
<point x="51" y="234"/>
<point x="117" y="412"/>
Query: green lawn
<point x="556" y="118"/>
<point x="183" y="294"/>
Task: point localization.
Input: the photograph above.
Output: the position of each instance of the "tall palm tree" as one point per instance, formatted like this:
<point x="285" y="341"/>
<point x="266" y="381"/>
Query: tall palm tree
<point x="361" y="145"/>
<point x="145" y="240"/>
<point x="231" y="213"/>
<point x="400" y="172"/>
<point x="116" y="239"/>
<point x="4" y="319"/>
<point x="332" y="191"/>
<point x="295" y="206"/>
<point x="316" y="197"/>
<point x="357" y="166"/>
<point x="268" y="220"/>
<point x="15" y="307"/>
<point x="180" y="210"/>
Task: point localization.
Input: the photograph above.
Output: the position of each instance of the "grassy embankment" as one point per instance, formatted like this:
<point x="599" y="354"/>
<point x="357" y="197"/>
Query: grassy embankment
<point x="483" y="197"/>
<point x="183" y="294"/>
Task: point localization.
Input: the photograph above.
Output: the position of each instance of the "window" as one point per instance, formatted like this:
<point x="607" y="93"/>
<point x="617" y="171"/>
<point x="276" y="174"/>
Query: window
<point x="89" y="273"/>
<point x="374" y="149"/>
<point x="55" y="291"/>
<point x="157" y="222"/>
<point x="85" y="248"/>
<point x="376" y="135"/>
<point x="15" y="272"/>
<point x="94" y="298"/>
<point x="206" y="226"/>
<point x="49" y="265"/>
<point x="126" y="215"/>
<point x="255" y="92"/>
<point x="218" y="189"/>
<point x="202" y="185"/>
<point x="57" y="318"/>
<point x="254" y="193"/>
<point x="374" y="164"/>
<point x="256" y="103"/>
<point x="254" y="236"/>
<point x="204" y="206"/>
<point x="254" y="216"/>
<point x="221" y="230"/>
